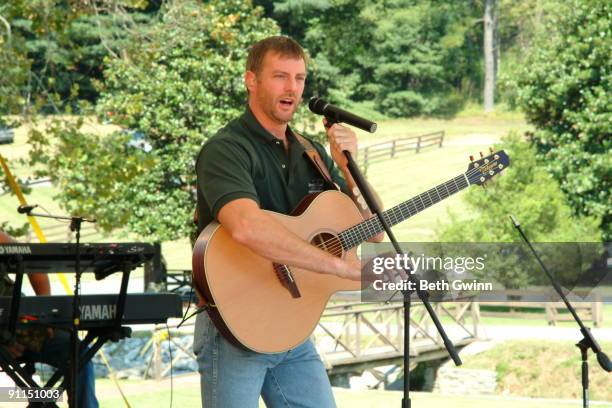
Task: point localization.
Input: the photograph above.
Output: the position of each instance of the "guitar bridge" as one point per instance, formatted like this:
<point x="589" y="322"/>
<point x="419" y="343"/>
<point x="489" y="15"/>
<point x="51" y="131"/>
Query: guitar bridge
<point x="286" y="279"/>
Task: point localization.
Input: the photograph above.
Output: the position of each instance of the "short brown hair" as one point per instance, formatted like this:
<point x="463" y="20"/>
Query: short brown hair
<point x="285" y="46"/>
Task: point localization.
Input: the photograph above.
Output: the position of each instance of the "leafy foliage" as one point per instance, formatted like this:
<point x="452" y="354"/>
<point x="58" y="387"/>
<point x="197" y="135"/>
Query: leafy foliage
<point x="409" y="57"/>
<point x="51" y="52"/>
<point x="565" y="92"/>
<point x="178" y="82"/>
<point x="94" y="173"/>
<point x="397" y="53"/>
<point x="528" y="192"/>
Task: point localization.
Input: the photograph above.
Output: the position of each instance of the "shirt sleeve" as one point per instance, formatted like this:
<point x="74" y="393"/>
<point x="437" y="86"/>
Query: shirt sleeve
<point x="224" y="170"/>
<point x="333" y="169"/>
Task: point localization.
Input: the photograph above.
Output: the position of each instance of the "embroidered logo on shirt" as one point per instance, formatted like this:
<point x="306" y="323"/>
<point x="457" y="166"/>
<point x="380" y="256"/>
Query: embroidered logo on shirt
<point x="315" y="186"/>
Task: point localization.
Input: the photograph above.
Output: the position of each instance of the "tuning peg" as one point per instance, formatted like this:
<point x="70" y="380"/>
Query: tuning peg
<point x="471" y="158"/>
<point x="491" y="150"/>
<point x="481" y="155"/>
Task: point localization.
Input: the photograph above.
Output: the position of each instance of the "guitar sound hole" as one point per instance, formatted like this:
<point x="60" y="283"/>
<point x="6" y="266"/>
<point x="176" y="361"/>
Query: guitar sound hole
<point x="329" y="243"/>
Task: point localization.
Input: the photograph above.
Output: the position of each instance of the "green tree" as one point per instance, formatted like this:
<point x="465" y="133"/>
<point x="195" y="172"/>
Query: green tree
<point x="178" y="82"/>
<point x="521" y="23"/>
<point x="15" y="67"/>
<point x="564" y="91"/>
<point x="408" y="57"/>
<point x="527" y="191"/>
<point x="51" y="51"/>
<point x="425" y="52"/>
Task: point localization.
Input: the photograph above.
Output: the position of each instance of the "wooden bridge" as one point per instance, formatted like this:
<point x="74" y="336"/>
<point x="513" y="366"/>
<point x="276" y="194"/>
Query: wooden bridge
<point x="353" y="337"/>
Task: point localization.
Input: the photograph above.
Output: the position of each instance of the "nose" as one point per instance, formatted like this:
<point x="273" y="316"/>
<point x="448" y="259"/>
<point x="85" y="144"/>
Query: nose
<point x="291" y="84"/>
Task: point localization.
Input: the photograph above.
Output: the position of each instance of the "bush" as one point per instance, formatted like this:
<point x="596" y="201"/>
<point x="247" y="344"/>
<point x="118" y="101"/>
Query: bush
<point x="564" y="90"/>
<point x="402" y="104"/>
<point x="529" y="192"/>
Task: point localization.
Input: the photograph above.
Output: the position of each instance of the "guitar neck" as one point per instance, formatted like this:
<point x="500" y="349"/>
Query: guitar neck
<point x="361" y="232"/>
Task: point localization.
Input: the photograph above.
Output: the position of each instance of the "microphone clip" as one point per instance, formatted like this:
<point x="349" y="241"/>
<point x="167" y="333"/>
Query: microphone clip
<point x="26" y="209"/>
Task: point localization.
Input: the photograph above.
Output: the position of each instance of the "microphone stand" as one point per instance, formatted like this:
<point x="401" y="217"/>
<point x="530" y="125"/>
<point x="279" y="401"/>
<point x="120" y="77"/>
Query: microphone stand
<point x="588" y="341"/>
<point x="75" y="226"/>
<point x="423" y="295"/>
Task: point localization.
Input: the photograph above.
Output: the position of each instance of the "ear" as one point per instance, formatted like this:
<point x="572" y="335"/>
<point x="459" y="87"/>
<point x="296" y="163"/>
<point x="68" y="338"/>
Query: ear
<point x="250" y="80"/>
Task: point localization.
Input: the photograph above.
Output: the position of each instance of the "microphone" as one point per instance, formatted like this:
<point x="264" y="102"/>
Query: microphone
<point x="604" y="362"/>
<point x="322" y="107"/>
<point x="26" y="209"/>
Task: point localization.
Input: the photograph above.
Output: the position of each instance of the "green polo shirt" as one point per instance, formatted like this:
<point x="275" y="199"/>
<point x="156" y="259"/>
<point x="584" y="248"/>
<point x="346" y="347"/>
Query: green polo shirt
<point x="243" y="160"/>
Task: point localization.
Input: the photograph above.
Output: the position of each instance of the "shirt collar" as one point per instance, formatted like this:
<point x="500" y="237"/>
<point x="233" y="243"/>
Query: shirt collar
<point x="253" y="125"/>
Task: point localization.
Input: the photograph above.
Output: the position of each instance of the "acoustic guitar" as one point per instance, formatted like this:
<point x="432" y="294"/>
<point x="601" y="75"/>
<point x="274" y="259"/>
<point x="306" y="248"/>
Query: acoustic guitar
<point x="267" y="307"/>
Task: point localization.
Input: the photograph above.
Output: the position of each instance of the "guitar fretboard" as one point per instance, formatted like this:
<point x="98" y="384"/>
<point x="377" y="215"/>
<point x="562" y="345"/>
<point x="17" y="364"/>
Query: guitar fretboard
<point x="363" y="231"/>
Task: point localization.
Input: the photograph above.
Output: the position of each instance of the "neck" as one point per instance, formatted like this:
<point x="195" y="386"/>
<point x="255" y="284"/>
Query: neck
<point x="359" y="233"/>
<point x="275" y="128"/>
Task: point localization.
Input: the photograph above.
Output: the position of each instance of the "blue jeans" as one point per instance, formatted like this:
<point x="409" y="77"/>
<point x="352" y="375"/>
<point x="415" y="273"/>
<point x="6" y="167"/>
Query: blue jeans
<point x="56" y="352"/>
<point x="231" y="377"/>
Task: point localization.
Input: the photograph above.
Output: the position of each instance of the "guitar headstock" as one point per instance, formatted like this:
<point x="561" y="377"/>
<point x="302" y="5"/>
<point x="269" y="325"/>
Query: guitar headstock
<point x="481" y="171"/>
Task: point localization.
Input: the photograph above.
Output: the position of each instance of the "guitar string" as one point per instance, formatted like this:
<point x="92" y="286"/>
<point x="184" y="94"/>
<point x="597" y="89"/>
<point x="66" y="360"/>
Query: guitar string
<point x="337" y="242"/>
<point x="372" y="226"/>
<point x="372" y="230"/>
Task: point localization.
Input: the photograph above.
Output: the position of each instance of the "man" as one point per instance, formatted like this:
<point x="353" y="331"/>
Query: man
<point x="256" y="163"/>
<point x="39" y="345"/>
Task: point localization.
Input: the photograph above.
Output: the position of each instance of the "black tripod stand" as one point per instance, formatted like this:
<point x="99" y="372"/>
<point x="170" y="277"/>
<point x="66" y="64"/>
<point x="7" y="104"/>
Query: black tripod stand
<point x="588" y="341"/>
<point x="368" y="196"/>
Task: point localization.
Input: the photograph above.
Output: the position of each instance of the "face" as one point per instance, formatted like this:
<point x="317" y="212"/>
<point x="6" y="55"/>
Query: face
<point x="276" y="90"/>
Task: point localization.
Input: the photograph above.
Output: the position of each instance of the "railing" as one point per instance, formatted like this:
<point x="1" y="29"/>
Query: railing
<point x="376" y="152"/>
<point x="552" y="311"/>
<point x="354" y="336"/>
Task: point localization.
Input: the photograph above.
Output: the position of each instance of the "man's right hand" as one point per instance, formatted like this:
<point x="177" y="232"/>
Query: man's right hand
<point x="350" y="269"/>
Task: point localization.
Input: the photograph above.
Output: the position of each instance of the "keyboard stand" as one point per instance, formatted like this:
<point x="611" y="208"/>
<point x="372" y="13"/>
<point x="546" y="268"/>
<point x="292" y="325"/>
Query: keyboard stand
<point x="8" y="335"/>
<point x="114" y="333"/>
<point x="21" y="375"/>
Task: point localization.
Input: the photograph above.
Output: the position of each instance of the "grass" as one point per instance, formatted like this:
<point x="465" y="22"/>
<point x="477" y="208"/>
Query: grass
<point x="547" y="369"/>
<point x="399" y="179"/>
<point x="396" y="180"/>
<point x="539" y="319"/>
<point x="189" y="395"/>
<point x="469" y="125"/>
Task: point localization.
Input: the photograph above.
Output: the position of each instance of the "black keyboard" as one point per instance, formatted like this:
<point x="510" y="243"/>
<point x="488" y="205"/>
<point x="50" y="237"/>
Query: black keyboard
<point x="96" y="310"/>
<point x="101" y="258"/>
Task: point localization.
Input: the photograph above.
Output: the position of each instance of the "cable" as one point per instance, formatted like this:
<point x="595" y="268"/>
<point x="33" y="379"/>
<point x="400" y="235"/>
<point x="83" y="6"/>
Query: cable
<point x="188" y="306"/>
<point x="197" y="311"/>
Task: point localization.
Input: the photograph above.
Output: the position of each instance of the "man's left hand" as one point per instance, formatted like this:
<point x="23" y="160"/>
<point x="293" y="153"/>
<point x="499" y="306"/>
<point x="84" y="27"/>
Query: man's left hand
<point x="342" y="138"/>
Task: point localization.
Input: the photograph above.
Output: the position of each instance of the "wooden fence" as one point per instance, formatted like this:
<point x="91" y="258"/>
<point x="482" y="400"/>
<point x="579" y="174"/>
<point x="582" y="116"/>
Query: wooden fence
<point x="380" y="151"/>
<point x="553" y="311"/>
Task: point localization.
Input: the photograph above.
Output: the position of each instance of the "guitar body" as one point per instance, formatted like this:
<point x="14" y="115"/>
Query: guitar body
<point x="269" y="308"/>
<point x="250" y="305"/>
